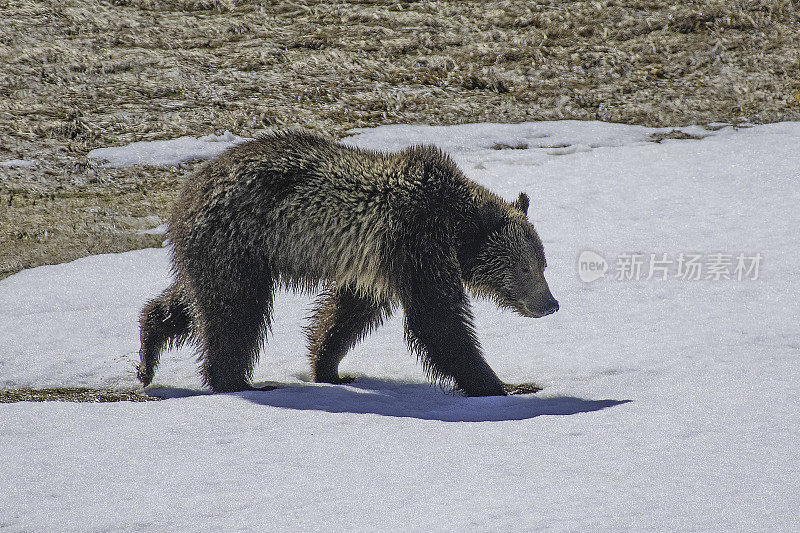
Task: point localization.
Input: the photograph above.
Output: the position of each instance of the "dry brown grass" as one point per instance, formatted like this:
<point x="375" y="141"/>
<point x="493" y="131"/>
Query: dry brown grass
<point x="73" y="394"/>
<point x="80" y="74"/>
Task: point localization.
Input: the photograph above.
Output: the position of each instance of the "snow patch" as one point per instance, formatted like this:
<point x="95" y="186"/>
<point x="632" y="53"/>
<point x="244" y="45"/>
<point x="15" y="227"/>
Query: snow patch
<point x="709" y="441"/>
<point x="161" y="229"/>
<point x="166" y="153"/>
<point x="17" y="163"/>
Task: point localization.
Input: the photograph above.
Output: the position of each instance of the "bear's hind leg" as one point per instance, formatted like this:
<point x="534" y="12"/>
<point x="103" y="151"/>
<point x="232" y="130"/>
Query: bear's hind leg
<point x="233" y="323"/>
<point x="164" y="321"/>
<point x="341" y="319"/>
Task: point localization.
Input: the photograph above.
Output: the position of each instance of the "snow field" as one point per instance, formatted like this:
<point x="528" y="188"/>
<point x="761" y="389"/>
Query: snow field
<point x="707" y="442"/>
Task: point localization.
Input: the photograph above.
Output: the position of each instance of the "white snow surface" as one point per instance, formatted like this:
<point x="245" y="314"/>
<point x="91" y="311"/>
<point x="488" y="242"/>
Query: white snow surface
<point x="166" y="153"/>
<point x="12" y="163"/>
<point x="709" y="440"/>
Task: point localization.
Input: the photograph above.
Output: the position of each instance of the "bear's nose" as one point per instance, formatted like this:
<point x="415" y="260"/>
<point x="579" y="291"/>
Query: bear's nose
<point x="552" y="306"/>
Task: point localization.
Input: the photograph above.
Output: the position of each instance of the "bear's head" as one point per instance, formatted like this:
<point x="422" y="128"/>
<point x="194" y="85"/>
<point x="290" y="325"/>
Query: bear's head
<point x="509" y="264"/>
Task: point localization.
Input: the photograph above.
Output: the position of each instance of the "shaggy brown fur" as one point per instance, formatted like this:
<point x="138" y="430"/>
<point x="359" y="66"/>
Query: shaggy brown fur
<point x="297" y="210"/>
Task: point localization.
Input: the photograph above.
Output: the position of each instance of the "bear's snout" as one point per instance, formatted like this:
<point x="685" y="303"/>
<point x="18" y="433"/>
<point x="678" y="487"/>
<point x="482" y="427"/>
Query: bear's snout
<point x="551" y="306"/>
<point x="540" y="307"/>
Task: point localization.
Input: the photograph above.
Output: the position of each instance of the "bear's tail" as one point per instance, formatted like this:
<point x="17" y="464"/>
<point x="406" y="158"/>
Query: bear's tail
<point x="164" y="322"/>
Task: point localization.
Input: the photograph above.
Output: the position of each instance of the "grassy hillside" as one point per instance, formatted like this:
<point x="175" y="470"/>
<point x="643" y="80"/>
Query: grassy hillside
<point x="81" y="74"/>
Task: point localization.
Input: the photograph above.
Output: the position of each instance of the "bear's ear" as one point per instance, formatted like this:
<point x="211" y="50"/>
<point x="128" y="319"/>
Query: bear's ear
<point x="522" y="203"/>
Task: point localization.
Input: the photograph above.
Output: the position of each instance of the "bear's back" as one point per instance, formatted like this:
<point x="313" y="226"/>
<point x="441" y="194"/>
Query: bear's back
<point x="318" y="210"/>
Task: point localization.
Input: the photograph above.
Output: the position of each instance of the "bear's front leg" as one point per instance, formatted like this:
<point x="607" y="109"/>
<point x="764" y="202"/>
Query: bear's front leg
<point x="439" y="329"/>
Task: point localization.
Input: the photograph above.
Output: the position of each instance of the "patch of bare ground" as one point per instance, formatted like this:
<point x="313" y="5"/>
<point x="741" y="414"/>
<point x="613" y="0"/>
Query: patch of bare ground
<point x="81" y="74"/>
<point x="72" y="394"/>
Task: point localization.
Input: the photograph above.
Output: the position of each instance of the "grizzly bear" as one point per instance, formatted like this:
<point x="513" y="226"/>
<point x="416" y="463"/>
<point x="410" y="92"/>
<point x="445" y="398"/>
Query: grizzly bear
<point x="372" y="229"/>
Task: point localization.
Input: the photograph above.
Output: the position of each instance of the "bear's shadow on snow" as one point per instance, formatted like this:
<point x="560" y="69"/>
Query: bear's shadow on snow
<point x="408" y="400"/>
